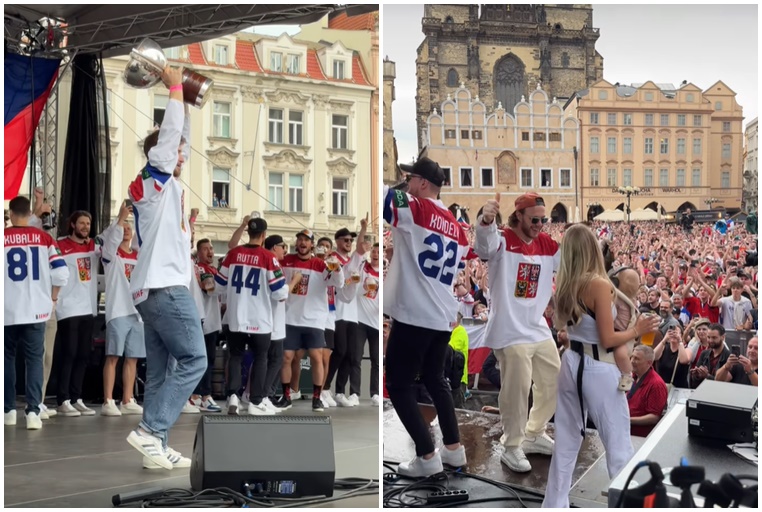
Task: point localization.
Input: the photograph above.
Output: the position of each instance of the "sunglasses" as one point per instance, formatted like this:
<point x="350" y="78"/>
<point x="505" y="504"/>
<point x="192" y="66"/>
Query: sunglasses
<point x="537" y="220"/>
<point x="410" y="177"/>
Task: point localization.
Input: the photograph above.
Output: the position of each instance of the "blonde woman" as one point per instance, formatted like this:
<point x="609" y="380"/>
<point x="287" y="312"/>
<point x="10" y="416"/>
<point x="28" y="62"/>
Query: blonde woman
<point x="585" y="307"/>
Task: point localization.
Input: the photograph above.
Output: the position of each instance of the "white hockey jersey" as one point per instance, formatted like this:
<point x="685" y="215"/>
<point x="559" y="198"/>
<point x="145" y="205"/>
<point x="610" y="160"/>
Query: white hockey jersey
<point x="212" y="312"/>
<point x="367" y="295"/>
<point x="429" y="246"/>
<point x="251" y="278"/>
<point x="117" y="267"/>
<point x="80" y="295"/>
<point x="33" y="265"/>
<point x="307" y="305"/>
<point x="346" y="297"/>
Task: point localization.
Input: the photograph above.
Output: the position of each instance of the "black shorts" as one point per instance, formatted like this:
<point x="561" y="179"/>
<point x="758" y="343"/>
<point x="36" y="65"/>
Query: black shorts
<point x="303" y="338"/>
<point x="329" y="338"/>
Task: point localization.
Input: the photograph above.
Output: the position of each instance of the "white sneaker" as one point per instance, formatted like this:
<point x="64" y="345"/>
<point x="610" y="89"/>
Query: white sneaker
<point x="296" y="395"/>
<point x="541" y="444"/>
<point x="131" y="407"/>
<point x="151" y="448"/>
<point x="354" y="399"/>
<point x="260" y="410"/>
<point x="515" y="459"/>
<point x="208" y="405"/>
<point x="455" y="458"/>
<point x="245" y="399"/>
<point x="329" y="398"/>
<point x="233" y="405"/>
<point x="10" y="418"/>
<point x="268" y="403"/>
<point x="110" y="409"/>
<point x="343" y="400"/>
<point x="190" y="408"/>
<point x="419" y="467"/>
<point x="177" y="460"/>
<point x="376" y="400"/>
<point x="66" y="409"/>
<point x="43" y="414"/>
<point x="83" y="409"/>
<point x="50" y="413"/>
<point x="33" y="421"/>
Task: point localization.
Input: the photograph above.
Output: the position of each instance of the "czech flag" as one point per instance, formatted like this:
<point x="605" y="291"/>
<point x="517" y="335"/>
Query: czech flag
<point x="28" y="82"/>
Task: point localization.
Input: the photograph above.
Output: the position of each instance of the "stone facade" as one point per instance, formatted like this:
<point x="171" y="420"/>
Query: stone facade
<point x="750" y="183"/>
<point x="390" y="148"/>
<point x="531" y="149"/>
<point x="501" y="52"/>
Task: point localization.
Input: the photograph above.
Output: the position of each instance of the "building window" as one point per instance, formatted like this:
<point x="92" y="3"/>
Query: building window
<point x="627" y="177"/>
<point x="611" y="118"/>
<point x="663" y="177"/>
<point x="487" y="177"/>
<point x="449" y="134"/>
<point x="627" y="146"/>
<point x="648" y="178"/>
<point x="525" y="136"/>
<point x="539" y="136"/>
<point x="696" y="146"/>
<point x="593" y="117"/>
<point x="565" y="61"/>
<point x="627" y="119"/>
<point x="294" y="66"/>
<point x="452" y="78"/>
<point x="221" y="55"/>
<point x="648" y="147"/>
<point x="725" y="151"/>
<point x="221" y="120"/>
<point x="447" y="181"/>
<point x="339" y="131"/>
<point x="696" y="178"/>
<point x="680" y="177"/>
<point x="680" y="146"/>
<point x="649" y="120"/>
<point x="680" y="119"/>
<point x="594" y="178"/>
<point x="718" y="105"/>
<point x="275" y="126"/>
<point x="159" y="107"/>
<point x="295" y="192"/>
<point x="466" y="177"/>
<point x="275" y="191"/>
<point x="611" y="178"/>
<point x="689" y="98"/>
<point x="726" y="126"/>
<point x="554" y="137"/>
<point x="611" y="145"/>
<point x="464" y="134"/>
<point x="565" y="178"/>
<point x="476" y="135"/>
<point x="338" y="69"/>
<point x="172" y="53"/>
<point x="664" y="146"/>
<point x="220" y="187"/>
<point x="526" y="178"/>
<point x="725" y="179"/>
<point x="664" y="119"/>
<point x="649" y="96"/>
<point x="546" y="178"/>
<point x="594" y="148"/>
<point x="697" y="120"/>
<point x="340" y="196"/>
<point x="603" y="95"/>
<point x="276" y="62"/>
<point x="295" y="127"/>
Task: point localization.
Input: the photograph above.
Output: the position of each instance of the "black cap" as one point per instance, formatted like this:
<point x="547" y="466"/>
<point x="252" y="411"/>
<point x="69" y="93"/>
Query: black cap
<point x="427" y="169"/>
<point x="343" y="232"/>
<point x="273" y="240"/>
<point x="257" y="225"/>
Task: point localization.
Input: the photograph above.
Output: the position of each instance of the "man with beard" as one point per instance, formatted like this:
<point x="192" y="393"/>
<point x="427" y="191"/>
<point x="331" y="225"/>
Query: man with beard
<point x="652" y="306"/>
<point x="306" y="312"/>
<point x="714" y="358"/>
<point x="667" y="320"/>
<point x="740" y="369"/>
<point x="76" y="311"/>
<point x="522" y="260"/>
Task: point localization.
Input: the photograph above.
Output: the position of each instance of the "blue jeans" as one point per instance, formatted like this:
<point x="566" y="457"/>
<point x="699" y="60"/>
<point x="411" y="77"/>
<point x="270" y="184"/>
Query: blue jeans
<point x="175" y="356"/>
<point x="33" y="338"/>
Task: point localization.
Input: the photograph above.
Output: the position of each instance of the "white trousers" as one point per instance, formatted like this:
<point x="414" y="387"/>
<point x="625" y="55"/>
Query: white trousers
<point x="607" y="407"/>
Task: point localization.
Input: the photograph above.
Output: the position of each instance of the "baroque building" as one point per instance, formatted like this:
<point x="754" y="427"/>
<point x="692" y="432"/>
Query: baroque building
<point x="750" y="184"/>
<point x="501" y="52"/>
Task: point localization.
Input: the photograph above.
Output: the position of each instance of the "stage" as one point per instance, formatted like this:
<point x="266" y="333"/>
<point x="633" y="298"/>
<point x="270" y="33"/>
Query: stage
<point x="480" y="434"/>
<point x="82" y="462"/>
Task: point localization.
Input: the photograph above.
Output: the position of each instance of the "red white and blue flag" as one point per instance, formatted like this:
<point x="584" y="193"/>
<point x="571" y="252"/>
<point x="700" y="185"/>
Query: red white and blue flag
<point x="28" y="82"/>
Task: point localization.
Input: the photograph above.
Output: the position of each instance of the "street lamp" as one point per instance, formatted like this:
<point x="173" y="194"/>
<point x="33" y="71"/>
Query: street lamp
<point x="629" y="192"/>
<point x="711" y="201"/>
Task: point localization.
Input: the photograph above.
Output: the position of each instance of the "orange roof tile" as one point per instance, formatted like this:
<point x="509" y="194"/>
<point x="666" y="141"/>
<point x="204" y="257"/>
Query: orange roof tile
<point x="196" y="54"/>
<point x="360" y="22"/>
<point x="358" y="73"/>
<point x="246" y="57"/>
<point x="313" y="66"/>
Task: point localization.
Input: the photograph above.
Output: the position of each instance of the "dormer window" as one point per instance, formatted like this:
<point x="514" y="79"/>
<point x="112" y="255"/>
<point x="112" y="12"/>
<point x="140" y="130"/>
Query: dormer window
<point x="172" y="53"/>
<point x="221" y="55"/>
<point x="293" y="65"/>
<point x="276" y="62"/>
<point x="338" y="69"/>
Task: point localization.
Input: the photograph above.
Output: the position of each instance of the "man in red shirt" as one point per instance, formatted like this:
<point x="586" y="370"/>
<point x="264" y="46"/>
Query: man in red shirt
<point x="701" y="305"/>
<point x="648" y="396"/>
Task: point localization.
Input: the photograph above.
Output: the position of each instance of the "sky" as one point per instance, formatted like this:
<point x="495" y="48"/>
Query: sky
<point x="662" y="43"/>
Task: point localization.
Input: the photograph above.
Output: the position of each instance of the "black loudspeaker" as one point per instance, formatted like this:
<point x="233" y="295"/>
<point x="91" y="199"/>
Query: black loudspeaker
<point x="278" y="456"/>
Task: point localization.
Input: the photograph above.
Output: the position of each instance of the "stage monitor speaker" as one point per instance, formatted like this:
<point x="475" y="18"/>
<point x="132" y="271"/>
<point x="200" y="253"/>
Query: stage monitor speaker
<point x="278" y="456"/>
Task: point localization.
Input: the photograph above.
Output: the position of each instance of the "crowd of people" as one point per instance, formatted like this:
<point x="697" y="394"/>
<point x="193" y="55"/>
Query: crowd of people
<point x="600" y="321"/>
<point x="169" y="302"/>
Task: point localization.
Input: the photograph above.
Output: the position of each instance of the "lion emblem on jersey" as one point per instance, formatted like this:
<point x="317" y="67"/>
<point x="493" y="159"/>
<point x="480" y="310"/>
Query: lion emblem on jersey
<point x="527" y="279"/>
<point x="83" y="267"/>
<point x="128" y="270"/>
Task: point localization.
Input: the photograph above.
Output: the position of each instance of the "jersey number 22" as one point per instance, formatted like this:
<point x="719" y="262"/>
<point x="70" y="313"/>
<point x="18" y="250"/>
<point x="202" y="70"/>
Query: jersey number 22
<point x="431" y="261"/>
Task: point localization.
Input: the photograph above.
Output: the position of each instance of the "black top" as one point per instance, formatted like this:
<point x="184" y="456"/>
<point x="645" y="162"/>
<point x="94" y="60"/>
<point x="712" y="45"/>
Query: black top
<point x="738" y="375"/>
<point x="666" y="365"/>
<point x="705" y="359"/>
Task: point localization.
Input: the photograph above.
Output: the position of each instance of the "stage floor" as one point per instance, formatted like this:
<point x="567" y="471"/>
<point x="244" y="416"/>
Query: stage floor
<point x="480" y="433"/>
<point x="82" y="462"/>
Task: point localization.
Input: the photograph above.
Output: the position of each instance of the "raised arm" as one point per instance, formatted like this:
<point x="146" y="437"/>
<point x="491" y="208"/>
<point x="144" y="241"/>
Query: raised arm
<point x="487" y="243"/>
